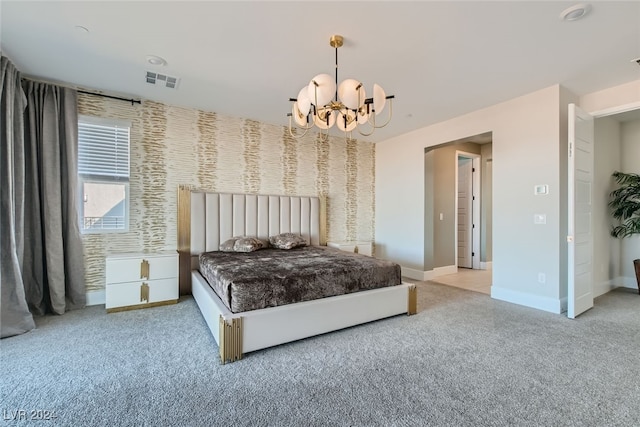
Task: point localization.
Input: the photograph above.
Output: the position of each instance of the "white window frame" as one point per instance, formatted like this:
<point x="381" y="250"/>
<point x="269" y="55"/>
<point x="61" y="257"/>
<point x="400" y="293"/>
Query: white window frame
<point x="102" y="179"/>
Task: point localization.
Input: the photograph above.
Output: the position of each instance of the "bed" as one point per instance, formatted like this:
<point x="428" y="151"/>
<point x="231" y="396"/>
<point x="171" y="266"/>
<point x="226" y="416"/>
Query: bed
<point x="206" y="220"/>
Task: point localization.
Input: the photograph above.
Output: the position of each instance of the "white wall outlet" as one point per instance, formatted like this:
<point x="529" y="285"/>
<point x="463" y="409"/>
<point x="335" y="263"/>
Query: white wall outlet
<point x="539" y="218"/>
<point x="542" y="278"/>
<point x="441" y="216"/>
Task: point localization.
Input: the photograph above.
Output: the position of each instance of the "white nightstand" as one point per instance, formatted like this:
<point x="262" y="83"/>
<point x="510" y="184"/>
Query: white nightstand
<point x="361" y="247"/>
<point x="141" y="280"/>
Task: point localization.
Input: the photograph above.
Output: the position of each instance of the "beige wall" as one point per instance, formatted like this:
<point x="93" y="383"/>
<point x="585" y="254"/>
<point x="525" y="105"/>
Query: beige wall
<point x="486" y="220"/>
<point x="529" y="148"/>
<point x="172" y="146"/>
<point x="625" y="95"/>
<point x="526" y="151"/>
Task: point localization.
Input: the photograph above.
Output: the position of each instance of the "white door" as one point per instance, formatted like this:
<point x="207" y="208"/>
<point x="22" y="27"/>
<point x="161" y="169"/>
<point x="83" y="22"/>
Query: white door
<point x="475" y="217"/>
<point x="465" y="212"/>
<point x="580" y="237"/>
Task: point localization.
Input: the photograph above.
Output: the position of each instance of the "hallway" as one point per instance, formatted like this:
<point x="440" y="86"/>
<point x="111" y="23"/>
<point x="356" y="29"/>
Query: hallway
<point x="465" y="278"/>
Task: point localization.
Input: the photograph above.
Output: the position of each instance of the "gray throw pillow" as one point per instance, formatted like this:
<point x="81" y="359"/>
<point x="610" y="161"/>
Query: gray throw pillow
<point x="227" y="245"/>
<point x="287" y="241"/>
<point x="243" y="244"/>
<point x="248" y="244"/>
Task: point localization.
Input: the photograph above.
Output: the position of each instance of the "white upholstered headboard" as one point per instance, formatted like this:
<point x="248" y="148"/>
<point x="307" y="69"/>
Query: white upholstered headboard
<point x="216" y="217"/>
<point x="205" y="220"/>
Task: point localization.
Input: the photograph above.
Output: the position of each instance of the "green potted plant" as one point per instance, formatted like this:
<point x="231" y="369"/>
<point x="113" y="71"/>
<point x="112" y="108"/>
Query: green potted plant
<point x="625" y="205"/>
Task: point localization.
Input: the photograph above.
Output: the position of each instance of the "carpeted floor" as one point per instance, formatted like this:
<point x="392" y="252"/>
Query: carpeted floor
<point x="463" y="360"/>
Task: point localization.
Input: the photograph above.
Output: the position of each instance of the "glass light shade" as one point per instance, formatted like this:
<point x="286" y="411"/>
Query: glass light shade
<point x="322" y="124"/>
<point x="321" y="95"/>
<point x="351" y="97"/>
<point x="298" y="117"/>
<point x="350" y="122"/>
<point x="379" y="99"/>
<point x="304" y="103"/>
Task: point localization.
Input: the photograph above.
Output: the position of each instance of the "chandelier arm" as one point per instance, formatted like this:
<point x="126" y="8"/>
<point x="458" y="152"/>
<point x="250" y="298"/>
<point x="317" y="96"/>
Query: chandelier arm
<point x="324" y="136"/>
<point x="373" y="127"/>
<point x="309" y="125"/>
<point x="390" y="114"/>
<point x="350" y="137"/>
<point x="300" y="136"/>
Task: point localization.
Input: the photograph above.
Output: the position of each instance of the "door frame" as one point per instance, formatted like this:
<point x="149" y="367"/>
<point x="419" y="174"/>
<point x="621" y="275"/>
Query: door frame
<point x="615" y="110"/>
<point x="475" y="248"/>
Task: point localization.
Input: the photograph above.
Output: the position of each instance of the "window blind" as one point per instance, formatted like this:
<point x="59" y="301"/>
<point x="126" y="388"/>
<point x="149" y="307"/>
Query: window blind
<point x="103" y="150"/>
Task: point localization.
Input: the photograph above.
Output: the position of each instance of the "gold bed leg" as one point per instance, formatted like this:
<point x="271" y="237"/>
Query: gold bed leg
<point x="413" y="300"/>
<point x="230" y="340"/>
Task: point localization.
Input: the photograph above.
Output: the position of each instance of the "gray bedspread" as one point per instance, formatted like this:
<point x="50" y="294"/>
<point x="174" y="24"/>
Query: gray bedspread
<point x="273" y="277"/>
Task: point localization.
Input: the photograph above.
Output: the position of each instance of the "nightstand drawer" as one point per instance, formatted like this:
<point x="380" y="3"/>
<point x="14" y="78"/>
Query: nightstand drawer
<point x="141" y="293"/>
<point x="129" y="268"/>
<point x="141" y="280"/>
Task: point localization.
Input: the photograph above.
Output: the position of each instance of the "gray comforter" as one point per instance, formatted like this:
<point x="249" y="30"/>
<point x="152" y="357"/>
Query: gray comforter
<point x="273" y="277"/>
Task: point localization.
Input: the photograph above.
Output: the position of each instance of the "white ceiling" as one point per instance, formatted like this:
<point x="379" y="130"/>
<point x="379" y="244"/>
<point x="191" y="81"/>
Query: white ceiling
<point x="440" y="59"/>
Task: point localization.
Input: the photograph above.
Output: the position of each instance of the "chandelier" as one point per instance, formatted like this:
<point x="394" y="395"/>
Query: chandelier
<point x="324" y="103"/>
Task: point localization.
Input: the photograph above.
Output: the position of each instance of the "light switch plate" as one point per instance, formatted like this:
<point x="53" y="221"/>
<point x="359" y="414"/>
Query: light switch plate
<point x="540" y="218"/>
<point x="540" y="189"/>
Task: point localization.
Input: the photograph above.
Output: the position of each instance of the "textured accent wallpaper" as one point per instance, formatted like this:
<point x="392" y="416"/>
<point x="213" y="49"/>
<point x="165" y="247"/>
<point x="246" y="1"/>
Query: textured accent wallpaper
<point x="173" y="145"/>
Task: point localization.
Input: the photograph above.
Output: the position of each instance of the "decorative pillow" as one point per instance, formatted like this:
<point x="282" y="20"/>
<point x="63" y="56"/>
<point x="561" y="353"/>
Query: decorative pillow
<point x="243" y="244"/>
<point x="227" y="245"/>
<point x="248" y="244"/>
<point x="287" y="241"/>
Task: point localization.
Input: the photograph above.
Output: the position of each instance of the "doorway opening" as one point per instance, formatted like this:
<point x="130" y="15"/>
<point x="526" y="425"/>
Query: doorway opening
<point x="616" y="148"/>
<point x="458" y="212"/>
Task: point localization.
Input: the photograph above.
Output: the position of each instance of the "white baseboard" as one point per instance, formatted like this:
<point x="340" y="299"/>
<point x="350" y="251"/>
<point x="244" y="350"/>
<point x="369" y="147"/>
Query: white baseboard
<point x="415" y="274"/>
<point x="607" y="286"/>
<point x="443" y="271"/>
<point x="486" y="265"/>
<point x="412" y="273"/>
<point x="564" y="303"/>
<point x="626" y="282"/>
<point x="96" y="297"/>
<point x="551" y="305"/>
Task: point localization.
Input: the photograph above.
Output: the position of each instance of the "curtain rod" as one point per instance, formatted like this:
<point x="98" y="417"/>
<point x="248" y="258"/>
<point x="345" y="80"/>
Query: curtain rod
<point x="133" y="101"/>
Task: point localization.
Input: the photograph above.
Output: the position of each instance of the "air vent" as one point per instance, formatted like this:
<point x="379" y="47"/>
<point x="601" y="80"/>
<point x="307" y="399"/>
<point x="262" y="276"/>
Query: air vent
<point x="162" y="80"/>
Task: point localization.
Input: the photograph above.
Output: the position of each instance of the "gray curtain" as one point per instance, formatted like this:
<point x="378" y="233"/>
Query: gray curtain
<point x="53" y="266"/>
<point x="42" y="255"/>
<point x="14" y="314"/>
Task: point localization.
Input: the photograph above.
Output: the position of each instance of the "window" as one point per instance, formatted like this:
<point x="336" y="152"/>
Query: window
<point x="103" y="172"/>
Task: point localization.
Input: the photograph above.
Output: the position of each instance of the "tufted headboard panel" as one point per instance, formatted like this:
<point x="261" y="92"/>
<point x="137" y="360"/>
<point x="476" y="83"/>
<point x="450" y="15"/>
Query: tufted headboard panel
<point x="205" y="220"/>
<point x="216" y="217"/>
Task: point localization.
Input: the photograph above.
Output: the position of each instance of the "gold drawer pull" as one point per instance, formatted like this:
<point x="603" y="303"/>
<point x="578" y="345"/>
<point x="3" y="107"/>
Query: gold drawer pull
<point x="144" y="292"/>
<point x="144" y="269"/>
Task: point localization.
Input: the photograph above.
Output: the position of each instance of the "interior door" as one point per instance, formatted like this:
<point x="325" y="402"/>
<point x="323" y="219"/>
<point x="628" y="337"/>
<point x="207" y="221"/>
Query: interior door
<point x="465" y="212"/>
<point x="580" y="237"/>
<point x="475" y="220"/>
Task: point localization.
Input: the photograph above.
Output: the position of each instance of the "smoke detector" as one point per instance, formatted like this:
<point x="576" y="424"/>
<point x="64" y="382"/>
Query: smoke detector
<point x="162" y="80"/>
<point x="575" y="12"/>
<point x="156" y="60"/>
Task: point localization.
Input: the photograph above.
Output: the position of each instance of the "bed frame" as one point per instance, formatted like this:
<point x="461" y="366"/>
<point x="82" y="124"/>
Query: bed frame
<point x="205" y="220"/>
